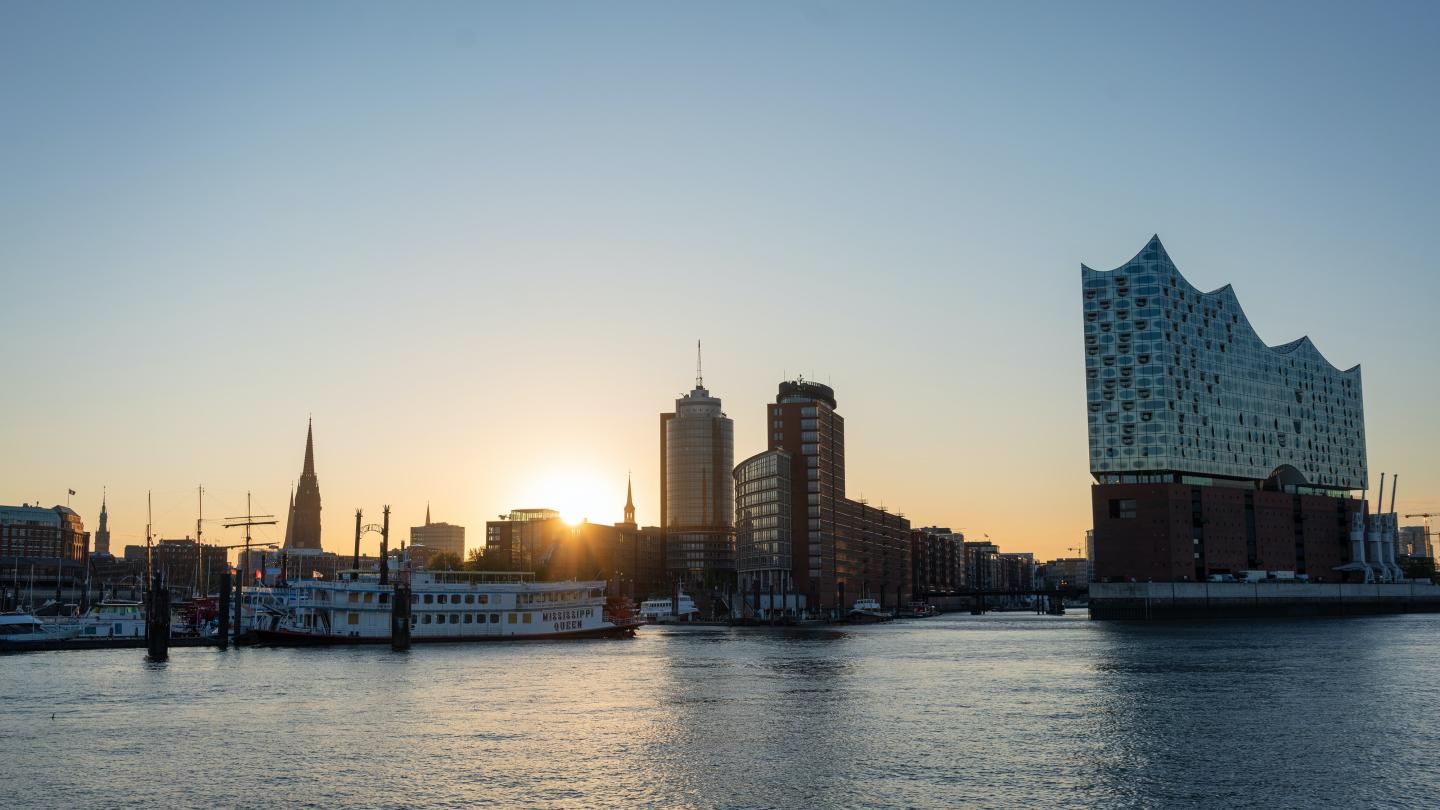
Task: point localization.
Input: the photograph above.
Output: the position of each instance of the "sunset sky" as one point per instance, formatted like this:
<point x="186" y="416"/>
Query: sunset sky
<point x="478" y="242"/>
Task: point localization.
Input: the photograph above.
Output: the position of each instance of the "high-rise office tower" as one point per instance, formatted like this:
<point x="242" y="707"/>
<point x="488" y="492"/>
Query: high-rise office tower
<point x="796" y="531"/>
<point x="302" y="530"/>
<point x="1212" y="452"/>
<point x="697" y="495"/>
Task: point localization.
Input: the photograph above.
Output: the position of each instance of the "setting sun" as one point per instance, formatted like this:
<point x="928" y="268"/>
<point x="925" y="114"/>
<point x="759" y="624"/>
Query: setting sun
<point x="577" y="494"/>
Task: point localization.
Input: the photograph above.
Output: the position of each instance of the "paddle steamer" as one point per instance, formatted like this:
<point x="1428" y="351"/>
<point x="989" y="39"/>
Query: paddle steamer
<point x="448" y="606"/>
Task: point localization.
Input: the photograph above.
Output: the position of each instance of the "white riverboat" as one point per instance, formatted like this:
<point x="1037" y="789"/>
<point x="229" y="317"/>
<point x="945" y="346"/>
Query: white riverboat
<point x="446" y="606"/>
<point x="111" y="618"/>
<point x="662" y="611"/>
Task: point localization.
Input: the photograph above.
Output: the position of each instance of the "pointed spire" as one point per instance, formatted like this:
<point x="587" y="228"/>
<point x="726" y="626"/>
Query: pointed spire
<point x="104" y="495"/>
<point x="309" y="448"/>
<point x="290" y="519"/>
<point x="427" y="513"/>
<point x="629" y="500"/>
<point x="699" y="377"/>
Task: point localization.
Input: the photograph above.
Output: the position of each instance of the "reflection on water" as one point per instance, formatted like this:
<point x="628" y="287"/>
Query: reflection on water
<point x="993" y="711"/>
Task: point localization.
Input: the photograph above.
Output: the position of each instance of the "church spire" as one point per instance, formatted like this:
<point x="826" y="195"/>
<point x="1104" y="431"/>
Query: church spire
<point x="427" y="513"/>
<point x="302" y="530"/>
<point x="629" y="501"/>
<point x="309" y="448"/>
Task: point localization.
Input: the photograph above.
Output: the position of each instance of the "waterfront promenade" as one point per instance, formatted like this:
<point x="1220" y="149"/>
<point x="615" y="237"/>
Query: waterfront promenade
<point x="1002" y="710"/>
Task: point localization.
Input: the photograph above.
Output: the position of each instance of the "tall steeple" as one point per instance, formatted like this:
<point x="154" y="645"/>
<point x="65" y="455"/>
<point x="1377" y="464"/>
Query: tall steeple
<point x="102" y="534"/>
<point x="629" y="502"/>
<point x="303" y="528"/>
<point x="427" y="513"/>
<point x="290" y="516"/>
<point x="309" y="449"/>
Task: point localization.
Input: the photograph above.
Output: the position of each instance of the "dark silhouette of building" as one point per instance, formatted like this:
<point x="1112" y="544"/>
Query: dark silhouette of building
<point x="637" y="568"/>
<point x="102" y="534"/>
<point x="630" y="558"/>
<point x="302" y="529"/>
<point x="182" y="563"/>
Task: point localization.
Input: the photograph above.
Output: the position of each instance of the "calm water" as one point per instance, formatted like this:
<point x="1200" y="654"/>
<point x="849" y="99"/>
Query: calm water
<point x="995" y="711"/>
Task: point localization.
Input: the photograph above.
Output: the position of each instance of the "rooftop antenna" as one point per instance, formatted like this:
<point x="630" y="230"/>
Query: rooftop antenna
<point x="699" y="378"/>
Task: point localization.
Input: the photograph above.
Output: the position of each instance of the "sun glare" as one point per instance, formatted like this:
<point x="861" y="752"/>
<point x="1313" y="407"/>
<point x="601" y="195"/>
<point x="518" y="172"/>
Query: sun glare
<point x="579" y="495"/>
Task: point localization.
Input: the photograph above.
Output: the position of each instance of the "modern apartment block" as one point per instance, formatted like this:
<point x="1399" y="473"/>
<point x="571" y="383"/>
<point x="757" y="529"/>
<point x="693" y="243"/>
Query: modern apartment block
<point x="764" y="552"/>
<point x="834" y="550"/>
<point x="1212" y="452"/>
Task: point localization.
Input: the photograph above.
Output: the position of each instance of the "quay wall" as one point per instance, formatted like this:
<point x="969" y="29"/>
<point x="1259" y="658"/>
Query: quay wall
<point x="1209" y="600"/>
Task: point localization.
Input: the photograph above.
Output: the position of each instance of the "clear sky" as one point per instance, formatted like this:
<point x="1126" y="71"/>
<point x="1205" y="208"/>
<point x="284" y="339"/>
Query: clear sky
<point x="479" y="241"/>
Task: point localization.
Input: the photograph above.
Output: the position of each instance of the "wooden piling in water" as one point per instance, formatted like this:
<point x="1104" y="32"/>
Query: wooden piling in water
<point x="223" y="631"/>
<point x="157" y="619"/>
<point x="400" y="617"/>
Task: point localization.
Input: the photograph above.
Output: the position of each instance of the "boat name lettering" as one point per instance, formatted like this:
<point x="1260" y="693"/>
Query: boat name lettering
<point x="566" y="615"/>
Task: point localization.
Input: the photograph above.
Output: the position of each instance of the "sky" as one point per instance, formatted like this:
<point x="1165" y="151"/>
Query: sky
<point x="477" y="242"/>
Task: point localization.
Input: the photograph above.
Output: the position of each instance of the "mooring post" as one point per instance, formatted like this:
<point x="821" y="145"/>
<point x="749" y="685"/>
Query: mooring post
<point x="157" y="619"/>
<point x="400" y="617"/>
<point x="223" y="631"/>
<point x="385" y="549"/>
<point x="239" y="602"/>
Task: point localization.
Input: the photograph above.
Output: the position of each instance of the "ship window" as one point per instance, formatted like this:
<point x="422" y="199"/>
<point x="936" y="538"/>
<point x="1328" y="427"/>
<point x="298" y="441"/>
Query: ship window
<point x="527" y="618"/>
<point x="484" y="598"/>
<point x="429" y="598"/>
<point x="494" y="618"/>
<point x="469" y="618"/>
<point x="425" y="618"/>
<point x="512" y="619"/>
<point x="354" y="597"/>
<point x="440" y="599"/>
<point x="414" y="598"/>
<point x="454" y="618"/>
<point x="354" y="618"/>
<point x="369" y="597"/>
<point x="384" y="598"/>
<point x="469" y="598"/>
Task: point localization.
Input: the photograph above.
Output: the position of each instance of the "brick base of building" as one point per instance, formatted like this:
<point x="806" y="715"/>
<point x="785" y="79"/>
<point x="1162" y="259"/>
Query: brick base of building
<point x="1169" y="532"/>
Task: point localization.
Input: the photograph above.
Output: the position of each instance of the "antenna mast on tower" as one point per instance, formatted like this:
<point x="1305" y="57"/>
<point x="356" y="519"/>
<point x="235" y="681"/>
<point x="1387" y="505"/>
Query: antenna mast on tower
<point x="699" y="378"/>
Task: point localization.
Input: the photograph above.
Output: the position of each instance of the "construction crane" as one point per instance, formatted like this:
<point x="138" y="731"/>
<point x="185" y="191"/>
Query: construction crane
<point x="1426" y="515"/>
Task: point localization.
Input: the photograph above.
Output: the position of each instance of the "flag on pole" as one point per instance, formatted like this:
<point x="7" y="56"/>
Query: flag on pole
<point x="72" y="492"/>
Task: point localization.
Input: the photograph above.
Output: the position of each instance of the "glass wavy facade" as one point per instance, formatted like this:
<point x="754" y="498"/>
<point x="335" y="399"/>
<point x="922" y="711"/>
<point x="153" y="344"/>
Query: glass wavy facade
<point x="1177" y="382"/>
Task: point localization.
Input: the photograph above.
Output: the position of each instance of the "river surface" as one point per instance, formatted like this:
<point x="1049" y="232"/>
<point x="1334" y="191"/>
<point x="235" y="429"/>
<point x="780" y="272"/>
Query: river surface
<point x="1004" y="710"/>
